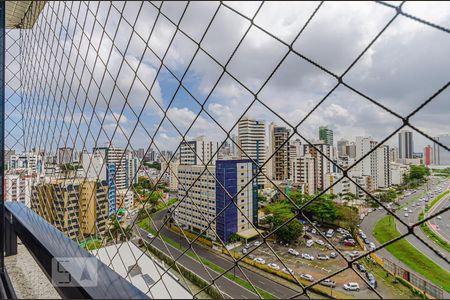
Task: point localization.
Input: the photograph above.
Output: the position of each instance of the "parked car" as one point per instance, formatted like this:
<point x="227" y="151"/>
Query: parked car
<point x="293" y="252"/>
<point x="406" y="215"/>
<point x="322" y="256"/>
<point x="309" y="243"/>
<point x="372" y="246"/>
<point x="328" y="282"/>
<point x="349" y="243"/>
<point x="354" y="254"/>
<point x="330" y="233"/>
<point x="351" y="286"/>
<point x="150" y="236"/>
<point x="410" y="211"/>
<point x="307" y="256"/>
<point x="257" y="243"/>
<point x="274" y="266"/>
<point x="333" y="255"/>
<point x="259" y="260"/>
<point x="361" y="268"/>
<point x="244" y="251"/>
<point x="370" y="276"/>
<point x="366" y="241"/>
<point x="307" y="277"/>
<point x="313" y="231"/>
<point x="329" y="247"/>
<point x="247" y="246"/>
<point x="320" y="242"/>
<point x="439" y="217"/>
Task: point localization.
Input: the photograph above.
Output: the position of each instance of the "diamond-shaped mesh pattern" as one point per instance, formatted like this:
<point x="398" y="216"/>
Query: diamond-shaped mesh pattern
<point x="97" y="91"/>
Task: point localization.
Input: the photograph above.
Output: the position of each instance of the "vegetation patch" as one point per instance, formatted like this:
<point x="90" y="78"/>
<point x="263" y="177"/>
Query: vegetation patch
<point x="385" y="231"/>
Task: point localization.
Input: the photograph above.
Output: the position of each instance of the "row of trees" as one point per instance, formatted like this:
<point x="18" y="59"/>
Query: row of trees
<point x="416" y="176"/>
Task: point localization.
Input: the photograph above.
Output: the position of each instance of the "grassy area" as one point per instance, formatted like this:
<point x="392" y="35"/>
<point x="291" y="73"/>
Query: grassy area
<point x="385" y="231"/>
<point x="430" y="233"/>
<point x="144" y="224"/>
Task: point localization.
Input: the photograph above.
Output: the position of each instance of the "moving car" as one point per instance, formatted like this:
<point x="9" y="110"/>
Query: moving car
<point x="274" y="266"/>
<point x="351" y="286"/>
<point x="307" y="277"/>
<point x="328" y="282"/>
<point x="288" y="271"/>
<point x="150" y="236"/>
<point x="406" y="215"/>
<point x="293" y="252"/>
<point x="259" y="260"/>
<point x="307" y="256"/>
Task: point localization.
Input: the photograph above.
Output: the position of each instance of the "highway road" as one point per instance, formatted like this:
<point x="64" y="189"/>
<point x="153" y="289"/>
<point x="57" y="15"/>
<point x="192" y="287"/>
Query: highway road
<point x="258" y="280"/>
<point x="441" y="226"/>
<point x="369" y="223"/>
<point x="226" y="285"/>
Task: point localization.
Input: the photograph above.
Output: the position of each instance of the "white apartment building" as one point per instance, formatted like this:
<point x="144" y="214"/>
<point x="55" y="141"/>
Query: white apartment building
<point x="32" y="161"/>
<point x="368" y="166"/>
<point x="252" y="140"/>
<point x="303" y="171"/>
<point x="18" y="187"/>
<point x="322" y="165"/>
<point x="197" y="207"/>
<point x="397" y="171"/>
<point x="198" y="152"/>
<point x="383" y="161"/>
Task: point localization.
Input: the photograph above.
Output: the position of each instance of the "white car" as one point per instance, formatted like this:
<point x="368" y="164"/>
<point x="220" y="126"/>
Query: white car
<point x="274" y="266"/>
<point x="320" y="242"/>
<point x="307" y="256"/>
<point x="307" y="277"/>
<point x="410" y="211"/>
<point x="309" y="243"/>
<point x="257" y="243"/>
<point x="439" y="217"/>
<point x="288" y="271"/>
<point x="323" y="256"/>
<point x="313" y="231"/>
<point x="293" y="252"/>
<point x="351" y="286"/>
<point x="406" y="215"/>
<point x="259" y="260"/>
<point x="150" y="236"/>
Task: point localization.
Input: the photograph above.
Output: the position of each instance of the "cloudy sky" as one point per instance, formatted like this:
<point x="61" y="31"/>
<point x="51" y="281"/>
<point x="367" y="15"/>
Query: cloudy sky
<point x="97" y="73"/>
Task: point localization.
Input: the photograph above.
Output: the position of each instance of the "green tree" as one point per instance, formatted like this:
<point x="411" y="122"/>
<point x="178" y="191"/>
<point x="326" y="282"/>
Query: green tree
<point x="290" y="231"/>
<point x="323" y="208"/>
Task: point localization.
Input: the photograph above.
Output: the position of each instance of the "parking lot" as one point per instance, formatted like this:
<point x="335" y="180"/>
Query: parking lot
<point x="299" y="264"/>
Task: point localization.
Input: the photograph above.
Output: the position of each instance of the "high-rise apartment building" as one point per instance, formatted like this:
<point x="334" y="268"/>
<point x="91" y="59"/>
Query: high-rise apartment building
<point x="234" y="150"/>
<point x="322" y="163"/>
<point x="65" y="155"/>
<point x="33" y="162"/>
<point x="342" y="148"/>
<point x="383" y="179"/>
<point x="303" y="171"/>
<point x="78" y="209"/>
<point x="197" y="194"/>
<point x="279" y="151"/>
<point x="236" y="197"/>
<point x="405" y="144"/>
<point x="201" y="151"/>
<point x="368" y="166"/>
<point x="18" y="187"/>
<point x="252" y="140"/>
<point x="208" y="198"/>
<point x="119" y="170"/>
<point x="428" y="155"/>
<point x="326" y="135"/>
<point x="441" y="156"/>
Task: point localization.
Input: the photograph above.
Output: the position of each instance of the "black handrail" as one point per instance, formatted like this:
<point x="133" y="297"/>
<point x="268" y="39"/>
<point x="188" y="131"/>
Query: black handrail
<point x="47" y="244"/>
